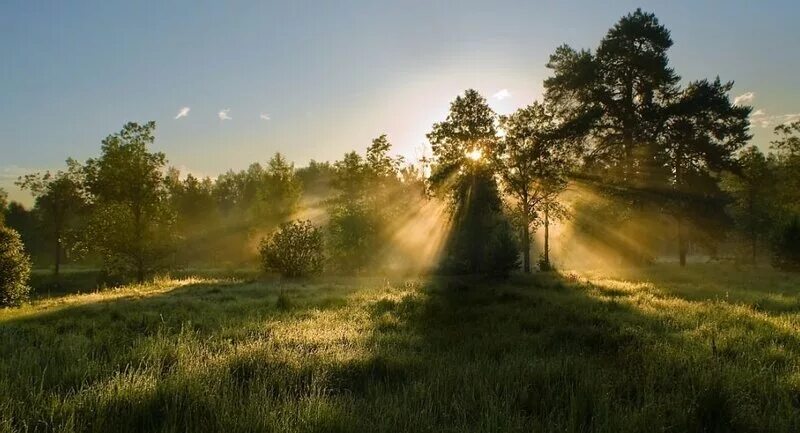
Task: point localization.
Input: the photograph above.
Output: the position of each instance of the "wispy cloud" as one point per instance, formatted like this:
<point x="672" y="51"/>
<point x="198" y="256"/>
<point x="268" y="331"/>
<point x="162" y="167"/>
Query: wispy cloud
<point x="761" y="119"/>
<point x="502" y="94"/>
<point x="183" y="112"/>
<point x="223" y="114"/>
<point x="744" y="98"/>
<point x="264" y="116"/>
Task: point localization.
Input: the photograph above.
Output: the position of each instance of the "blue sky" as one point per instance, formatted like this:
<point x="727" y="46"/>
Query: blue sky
<point x="330" y="75"/>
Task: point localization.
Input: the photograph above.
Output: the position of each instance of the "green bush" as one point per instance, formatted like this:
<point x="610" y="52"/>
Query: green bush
<point x="786" y="247"/>
<point x="294" y="250"/>
<point x="15" y="268"/>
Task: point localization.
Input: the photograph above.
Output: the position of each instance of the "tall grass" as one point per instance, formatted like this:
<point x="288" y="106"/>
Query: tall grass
<point x="707" y="349"/>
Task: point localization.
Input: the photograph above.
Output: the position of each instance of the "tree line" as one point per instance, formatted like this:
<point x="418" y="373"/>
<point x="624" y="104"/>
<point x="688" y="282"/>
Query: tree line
<point x="669" y="159"/>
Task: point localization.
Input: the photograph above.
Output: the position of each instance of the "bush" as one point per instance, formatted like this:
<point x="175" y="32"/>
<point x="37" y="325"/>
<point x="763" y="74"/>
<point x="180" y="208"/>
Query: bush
<point x="294" y="250"/>
<point x="786" y="247"/>
<point x="15" y="268"/>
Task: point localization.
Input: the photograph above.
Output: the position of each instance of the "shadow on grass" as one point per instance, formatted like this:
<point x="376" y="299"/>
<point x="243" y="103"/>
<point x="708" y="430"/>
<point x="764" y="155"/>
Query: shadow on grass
<point x="543" y="353"/>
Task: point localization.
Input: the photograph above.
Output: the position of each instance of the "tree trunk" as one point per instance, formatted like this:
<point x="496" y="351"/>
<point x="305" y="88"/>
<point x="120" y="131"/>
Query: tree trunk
<point x="526" y="241"/>
<point x="547" y="236"/>
<point x="682" y="246"/>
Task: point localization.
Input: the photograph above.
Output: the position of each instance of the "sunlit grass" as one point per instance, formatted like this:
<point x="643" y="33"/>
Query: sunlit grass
<point x="709" y="348"/>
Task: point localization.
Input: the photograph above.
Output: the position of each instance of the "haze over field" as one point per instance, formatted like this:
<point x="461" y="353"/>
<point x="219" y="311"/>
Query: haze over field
<point x="230" y="84"/>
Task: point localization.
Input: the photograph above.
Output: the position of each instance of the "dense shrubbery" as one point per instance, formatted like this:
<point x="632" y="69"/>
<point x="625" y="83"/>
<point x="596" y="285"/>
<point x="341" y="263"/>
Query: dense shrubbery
<point x="294" y="250"/>
<point x="15" y="268"/>
<point x="786" y="247"/>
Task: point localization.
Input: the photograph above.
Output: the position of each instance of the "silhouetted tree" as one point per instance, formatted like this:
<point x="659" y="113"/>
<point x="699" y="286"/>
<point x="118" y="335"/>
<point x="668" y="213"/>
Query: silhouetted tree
<point x="3" y="205"/>
<point x="702" y="131"/>
<point x="132" y="222"/>
<point x="753" y="189"/>
<point x="464" y="145"/>
<point x="60" y="201"/>
<point x="533" y="163"/>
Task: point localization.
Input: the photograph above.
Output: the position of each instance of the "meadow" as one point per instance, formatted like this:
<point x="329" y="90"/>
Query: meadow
<point x="709" y="348"/>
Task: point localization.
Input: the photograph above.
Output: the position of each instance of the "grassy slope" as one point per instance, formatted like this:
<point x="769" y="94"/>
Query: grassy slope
<point x="703" y="349"/>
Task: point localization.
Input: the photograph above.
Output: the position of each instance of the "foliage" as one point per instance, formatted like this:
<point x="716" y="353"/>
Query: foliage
<point x="503" y="251"/>
<point x="533" y="163"/>
<point x="60" y="205"/>
<point x="464" y="145"/>
<point x="15" y="268"/>
<point x="294" y="250"/>
<point x="368" y="197"/>
<point x="131" y="226"/>
<point x="753" y="189"/>
<point x="786" y="246"/>
<point x="3" y="205"/>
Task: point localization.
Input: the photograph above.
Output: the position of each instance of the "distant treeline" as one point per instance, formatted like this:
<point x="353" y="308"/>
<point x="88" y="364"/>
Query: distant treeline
<point x="631" y="159"/>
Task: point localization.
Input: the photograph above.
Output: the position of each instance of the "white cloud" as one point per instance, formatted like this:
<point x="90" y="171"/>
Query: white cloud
<point x="264" y="116"/>
<point x="223" y="114"/>
<point x="761" y="119"/>
<point x="183" y="112"/>
<point x="502" y="94"/>
<point x="744" y="98"/>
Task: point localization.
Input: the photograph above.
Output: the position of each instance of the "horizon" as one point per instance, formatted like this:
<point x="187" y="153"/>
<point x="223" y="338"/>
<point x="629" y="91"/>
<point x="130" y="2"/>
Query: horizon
<point x="232" y="85"/>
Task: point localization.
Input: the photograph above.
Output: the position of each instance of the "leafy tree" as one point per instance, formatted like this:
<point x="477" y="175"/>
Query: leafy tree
<point x="352" y="228"/>
<point x="701" y="134"/>
<point x="132" y="223"/>
<point x="753" y="189"/>
<point x="533" y="163"/>
<point x="15" y="268"/>
<point x="60" y="201"/>
<point x="279" y="191"/>
<point x="3" y="205"/>
<point x="619" y="94"/>
<point x="786" y="246"/>
<point x="787" y="147"/>
<point x="294" y="250"/>
<point x="463" y="145"/>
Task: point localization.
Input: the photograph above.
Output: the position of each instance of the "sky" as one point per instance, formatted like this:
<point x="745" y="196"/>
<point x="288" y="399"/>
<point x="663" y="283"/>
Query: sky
<point x="232" y="82"/>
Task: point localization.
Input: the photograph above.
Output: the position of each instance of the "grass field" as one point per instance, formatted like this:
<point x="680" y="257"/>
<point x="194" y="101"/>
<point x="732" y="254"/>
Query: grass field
<point x="706" y="349"/>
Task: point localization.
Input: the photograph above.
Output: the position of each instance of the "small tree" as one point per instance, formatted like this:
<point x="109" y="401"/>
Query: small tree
<point x="15" y="268"/>
<point x="59" y="202"/>
<point x="132" y="226"/>
<point x="786" y="247"/>
<point x="294" y="250"/>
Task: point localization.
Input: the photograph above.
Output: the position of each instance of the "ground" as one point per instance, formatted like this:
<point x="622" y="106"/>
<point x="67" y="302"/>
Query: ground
<point x="710" y="348"/>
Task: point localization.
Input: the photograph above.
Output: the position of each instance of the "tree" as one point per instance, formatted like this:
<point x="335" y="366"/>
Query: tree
<point x="279" y="191"/>
<point x="131" y="225"/>
<point x="294" y="250"/>
<point x="702" y="132"/>
<point x="533" y="163"/>
<point x="352" y="227"/>
<point x="753" y="189"/>
<point x="463" y="145"/>
<point x="786" y="246"/>
<point x="3" y="205"/>
<point x="60" y="201"/>
<point x="618" y="94"/>
<point x="15" y="268"/>
<point x="787" y="147"/>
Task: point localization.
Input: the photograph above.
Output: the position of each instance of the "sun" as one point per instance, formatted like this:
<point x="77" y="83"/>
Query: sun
<point x="475" y="154"/>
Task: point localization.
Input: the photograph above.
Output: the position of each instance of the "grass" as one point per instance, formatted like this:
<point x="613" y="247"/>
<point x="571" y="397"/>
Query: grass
<point x="710" y="348"/>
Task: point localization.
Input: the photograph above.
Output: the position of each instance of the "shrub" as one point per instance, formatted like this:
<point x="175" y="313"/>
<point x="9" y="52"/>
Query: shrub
<point x="15" y="268"/>
<point x="294" y="250"/>
<point x="786" y="247"/>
